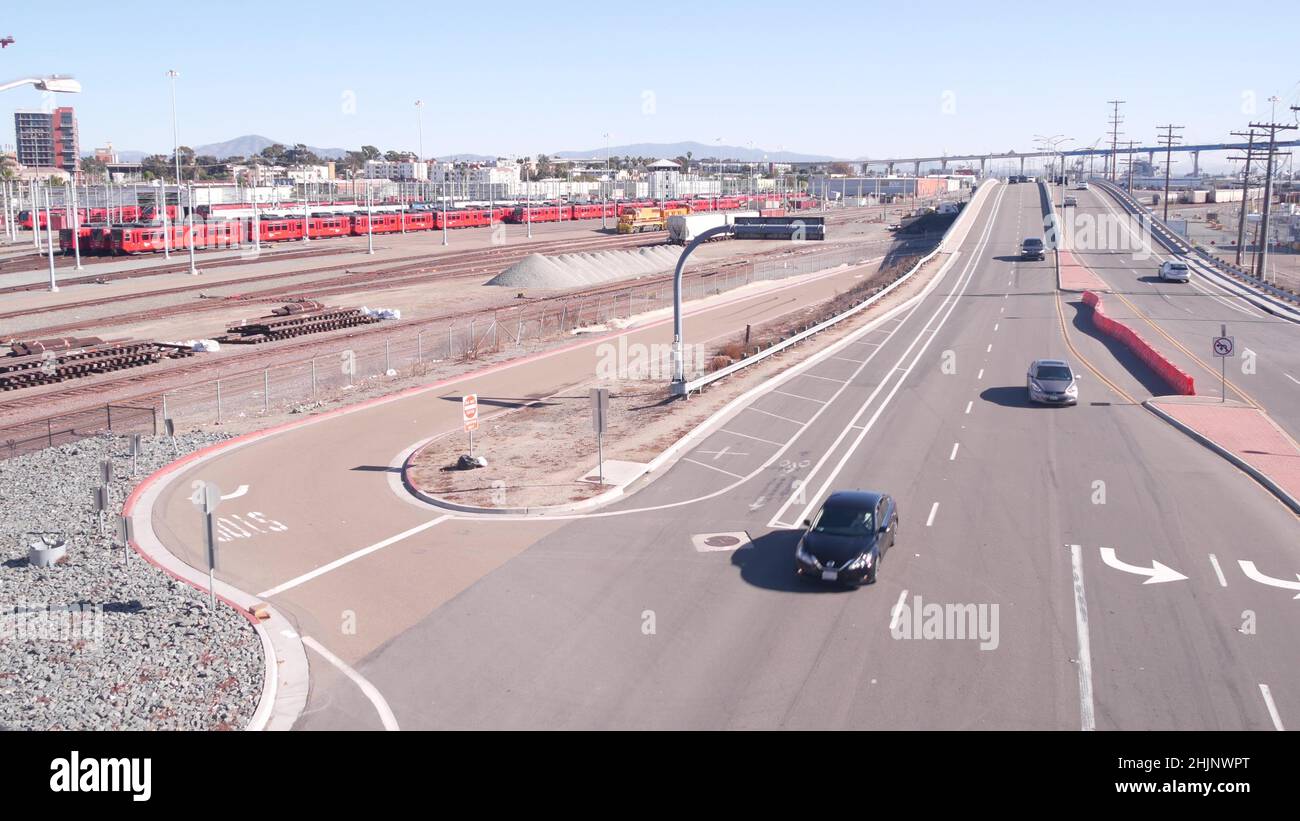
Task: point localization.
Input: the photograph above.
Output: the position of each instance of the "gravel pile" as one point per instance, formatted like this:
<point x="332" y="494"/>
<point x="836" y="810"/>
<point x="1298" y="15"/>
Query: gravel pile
<point x="96" y="643"/>
<point x="583" y="269"/>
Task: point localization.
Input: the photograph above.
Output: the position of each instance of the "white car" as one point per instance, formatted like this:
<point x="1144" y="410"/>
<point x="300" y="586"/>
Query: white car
<point x="1175" y="271"/>
<point x="1082" y="186"/>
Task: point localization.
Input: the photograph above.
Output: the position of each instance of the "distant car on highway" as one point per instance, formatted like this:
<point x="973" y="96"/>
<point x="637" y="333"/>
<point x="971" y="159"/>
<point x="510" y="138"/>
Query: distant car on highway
<point x="1071" y="202"/>
<point x="1052" y="382"/>
<point x="1174" y="271"/>
<point x="1082" y="185"/>
<point x="846" y="540"/>
<point x="1033" y="248"/>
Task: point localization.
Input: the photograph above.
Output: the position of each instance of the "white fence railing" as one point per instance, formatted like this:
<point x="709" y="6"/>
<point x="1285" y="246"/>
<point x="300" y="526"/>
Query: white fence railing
<point x="697" y="384"/>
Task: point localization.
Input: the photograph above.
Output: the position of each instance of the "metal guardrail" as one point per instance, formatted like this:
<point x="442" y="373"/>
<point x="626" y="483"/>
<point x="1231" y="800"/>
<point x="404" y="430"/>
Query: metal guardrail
<point x="1175" y="243"/>
<point x="697" y="384"/>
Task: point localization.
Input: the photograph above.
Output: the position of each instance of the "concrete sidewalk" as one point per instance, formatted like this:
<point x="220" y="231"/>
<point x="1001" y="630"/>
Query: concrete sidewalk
<point x="1244" y="435"/>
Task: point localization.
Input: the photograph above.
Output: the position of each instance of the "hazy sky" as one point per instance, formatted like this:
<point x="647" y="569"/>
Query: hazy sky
<point x="848" y="79"/>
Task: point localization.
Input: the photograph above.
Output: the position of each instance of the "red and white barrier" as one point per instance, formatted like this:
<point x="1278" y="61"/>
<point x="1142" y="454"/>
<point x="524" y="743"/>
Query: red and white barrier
<point x="1174" y="376"/>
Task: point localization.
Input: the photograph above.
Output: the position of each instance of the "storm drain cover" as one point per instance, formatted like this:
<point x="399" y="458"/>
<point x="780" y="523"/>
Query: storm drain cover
<point x="709" y="542"/>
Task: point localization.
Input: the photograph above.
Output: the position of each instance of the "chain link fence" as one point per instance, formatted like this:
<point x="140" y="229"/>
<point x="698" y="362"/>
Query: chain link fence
<point x="29" y="437"/>
<point x="435" y="348"/>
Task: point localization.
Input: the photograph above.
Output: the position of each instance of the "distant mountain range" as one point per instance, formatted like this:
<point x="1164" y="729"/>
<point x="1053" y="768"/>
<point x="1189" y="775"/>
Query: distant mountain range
<point x="698" y="151"/>
<point x="250" y="144"/>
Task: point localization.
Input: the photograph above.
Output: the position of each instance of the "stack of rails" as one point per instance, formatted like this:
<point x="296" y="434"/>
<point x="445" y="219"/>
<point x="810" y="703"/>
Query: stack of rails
<point x="295" y="319"/>
<point x="42" y="362"/>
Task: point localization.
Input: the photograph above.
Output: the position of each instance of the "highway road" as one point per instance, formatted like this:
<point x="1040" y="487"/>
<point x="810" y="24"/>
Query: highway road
<point x="618" y="619"/>
<point x="1266" y="368"/>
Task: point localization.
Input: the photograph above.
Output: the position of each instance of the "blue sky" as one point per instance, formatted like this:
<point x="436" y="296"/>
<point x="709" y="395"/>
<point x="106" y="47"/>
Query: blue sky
<point x="848" y="79"/>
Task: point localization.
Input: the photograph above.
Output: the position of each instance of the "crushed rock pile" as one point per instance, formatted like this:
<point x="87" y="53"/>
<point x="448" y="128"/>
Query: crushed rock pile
<point x="585" y="269"/>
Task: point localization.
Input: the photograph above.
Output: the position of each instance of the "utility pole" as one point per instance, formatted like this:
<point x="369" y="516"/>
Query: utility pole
<point x="1261" y="269"/>
<point x="1245" y="192"/>
<point x="1168" y="140"/>
<point x="1115" y="120"/>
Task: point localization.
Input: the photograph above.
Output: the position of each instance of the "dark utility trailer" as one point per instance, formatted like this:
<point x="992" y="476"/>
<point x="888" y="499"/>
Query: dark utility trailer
<point x="790" y="228"/>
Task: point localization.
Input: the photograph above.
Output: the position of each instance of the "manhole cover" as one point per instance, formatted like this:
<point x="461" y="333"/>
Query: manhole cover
<point x="706" y="542"/>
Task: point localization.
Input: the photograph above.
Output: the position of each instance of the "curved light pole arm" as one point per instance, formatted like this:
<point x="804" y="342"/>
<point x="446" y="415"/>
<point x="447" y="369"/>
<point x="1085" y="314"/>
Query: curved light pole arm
<point x="678" y="387"/>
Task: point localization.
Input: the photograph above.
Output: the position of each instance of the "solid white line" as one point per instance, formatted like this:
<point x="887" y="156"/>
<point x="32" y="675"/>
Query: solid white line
<point x="827" y="378"/>
<point x="898" y="609"/>
<point x="969" y="405"/>
<point x="981" y="374"/>
<point x="711" y="467"/>
<point x="847" y="359"/>
<point x="989" y="349"/>
<point x="946" y="306"/>
<point x="376" y="698"/>
<point x="870" y="344"/>
<point x="953" y="455"/>
<point x="1218" y="571"/>
<point x="797" y="396"/>
<point x="1292" y="378"/>
<point x="934" y="508"/>
<point x="1272" y="708"/>
<point x="353" y="556"/>
<point x="747" y="436"/>
<point x="777" y="416"/>
<point x="1086" y="718"/>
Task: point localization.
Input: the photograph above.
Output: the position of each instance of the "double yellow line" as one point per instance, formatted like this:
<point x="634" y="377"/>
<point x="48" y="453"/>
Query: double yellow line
<point x="1065" y="334"/>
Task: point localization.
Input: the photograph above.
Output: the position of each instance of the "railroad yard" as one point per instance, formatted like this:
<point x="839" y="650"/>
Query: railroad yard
<point x="123" y="330"/>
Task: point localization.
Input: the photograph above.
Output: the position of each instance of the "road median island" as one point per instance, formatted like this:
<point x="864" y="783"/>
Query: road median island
<point x="1178" y="380"/>
<point x="542" y="454"/>
<point x="1242" y="434"/>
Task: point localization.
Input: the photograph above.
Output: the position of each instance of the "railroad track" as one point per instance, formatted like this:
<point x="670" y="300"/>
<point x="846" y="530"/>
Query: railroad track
<point x="462" y="263"/>
<point x="154" y="270"/>
<point x="261" y="356"/>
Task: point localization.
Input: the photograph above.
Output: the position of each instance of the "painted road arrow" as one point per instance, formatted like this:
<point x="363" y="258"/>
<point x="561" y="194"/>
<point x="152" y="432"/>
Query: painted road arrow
<point x="1155" y="574"/>
<point x="1254" y="575"/>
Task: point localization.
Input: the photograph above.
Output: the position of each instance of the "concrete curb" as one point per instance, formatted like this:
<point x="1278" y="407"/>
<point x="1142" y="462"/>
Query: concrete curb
<point x="1247" y="468"/>
<point x="285" y="680"/>
<point x="610" y="495"/>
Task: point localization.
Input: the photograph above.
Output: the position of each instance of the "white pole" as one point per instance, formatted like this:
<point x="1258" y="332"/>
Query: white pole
<point x="76" y="225"/>
<point x="54" y="287"/>
<point x="190" y="238"/>
<point x="257" y="222"/>
<point x="370" y="222"/>
<point x="167" y="234"/>
<point x="444" y="215"/>
<point x="36" y="215"/>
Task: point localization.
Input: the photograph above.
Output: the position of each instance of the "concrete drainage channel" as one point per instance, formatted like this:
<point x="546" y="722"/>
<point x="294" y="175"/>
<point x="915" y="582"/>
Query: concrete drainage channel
<point x="99" y="639"/>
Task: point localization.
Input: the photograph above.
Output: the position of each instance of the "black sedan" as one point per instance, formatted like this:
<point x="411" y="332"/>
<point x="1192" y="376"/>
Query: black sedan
<point x="846" y="540"/>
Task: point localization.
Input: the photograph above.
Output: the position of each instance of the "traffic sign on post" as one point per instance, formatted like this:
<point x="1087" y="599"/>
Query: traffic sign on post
<point x="469" y="417"/>
<point x="1223" y="346"/>
<point x="207" y="497"/>
<point x="599" y="421"/>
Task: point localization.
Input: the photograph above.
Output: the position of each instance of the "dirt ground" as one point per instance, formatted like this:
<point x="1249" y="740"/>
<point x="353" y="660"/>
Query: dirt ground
<point x="643" y="422"/>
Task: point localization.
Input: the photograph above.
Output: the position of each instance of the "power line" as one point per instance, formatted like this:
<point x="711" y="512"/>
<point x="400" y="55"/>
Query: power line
<point x="1169" y="139"/>
<point x="1115" y="120"/>
<point x="1272" y="128"/>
